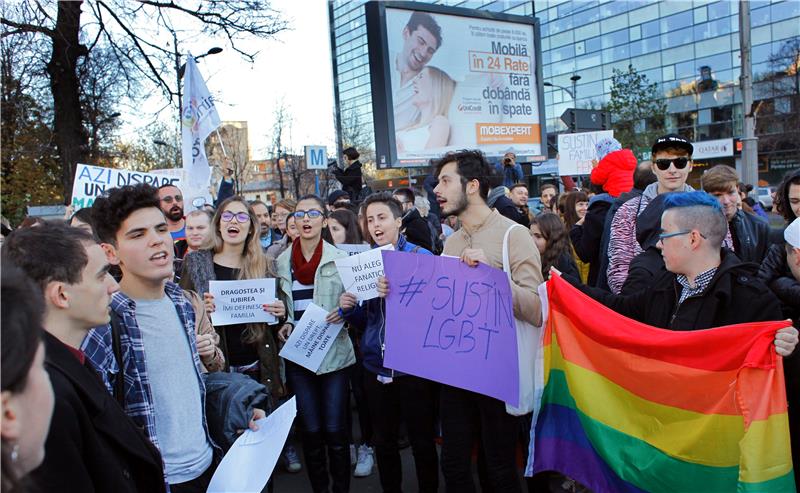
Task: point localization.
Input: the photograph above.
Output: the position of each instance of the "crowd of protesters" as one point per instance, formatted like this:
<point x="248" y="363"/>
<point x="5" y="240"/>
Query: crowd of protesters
<point x="108" y="340"/>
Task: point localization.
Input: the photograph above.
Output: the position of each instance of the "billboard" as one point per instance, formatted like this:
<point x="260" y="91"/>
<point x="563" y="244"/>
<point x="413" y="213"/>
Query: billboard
<point x="446" y="78"/>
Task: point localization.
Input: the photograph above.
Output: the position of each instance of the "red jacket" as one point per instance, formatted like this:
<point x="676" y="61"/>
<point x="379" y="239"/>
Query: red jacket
<point x="615" y="172"/>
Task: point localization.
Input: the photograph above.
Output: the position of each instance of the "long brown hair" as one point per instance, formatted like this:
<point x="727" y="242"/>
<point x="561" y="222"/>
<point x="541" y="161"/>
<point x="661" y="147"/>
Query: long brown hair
<point x="255" y="264"/>
<point x="557" y="241"/>
<point x="570" y="215"/>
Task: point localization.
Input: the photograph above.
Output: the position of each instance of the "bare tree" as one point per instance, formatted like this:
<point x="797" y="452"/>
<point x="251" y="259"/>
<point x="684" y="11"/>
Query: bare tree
<point x="140" y="54"/>
<point x="280" y="120"/>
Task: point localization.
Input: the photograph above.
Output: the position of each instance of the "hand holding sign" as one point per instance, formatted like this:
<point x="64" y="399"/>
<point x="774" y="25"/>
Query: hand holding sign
<point x="452" y="323"/>
<point x="312" y="339"/>
<point x="360" y="272"/>
<point x="242" y="302"/>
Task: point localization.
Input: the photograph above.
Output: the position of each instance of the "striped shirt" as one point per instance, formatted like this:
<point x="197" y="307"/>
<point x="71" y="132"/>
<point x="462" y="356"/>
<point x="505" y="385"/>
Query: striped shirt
<point x="302" y="295"/>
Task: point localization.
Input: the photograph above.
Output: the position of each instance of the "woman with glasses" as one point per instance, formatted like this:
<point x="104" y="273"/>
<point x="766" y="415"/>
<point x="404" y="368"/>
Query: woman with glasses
<point x="308" y="275"/>
<point x="236" y="254"/>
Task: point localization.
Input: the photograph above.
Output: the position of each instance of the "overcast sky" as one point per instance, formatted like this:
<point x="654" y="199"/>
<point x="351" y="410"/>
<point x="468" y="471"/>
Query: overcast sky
<point x="295" y="67"/>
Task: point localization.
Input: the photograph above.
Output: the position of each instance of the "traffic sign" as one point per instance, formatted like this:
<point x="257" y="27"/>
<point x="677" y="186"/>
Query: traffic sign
<point x="579" y="120"/>
<point x="316" y="157"/>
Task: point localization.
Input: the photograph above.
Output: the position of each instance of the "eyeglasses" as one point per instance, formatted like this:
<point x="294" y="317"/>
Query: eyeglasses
<point x="679" y="162"/>
<point x="169" y="199"/>
<point x="664" y="236"/>
<point x="312" y="214"/>
<point x="241" y="217"/>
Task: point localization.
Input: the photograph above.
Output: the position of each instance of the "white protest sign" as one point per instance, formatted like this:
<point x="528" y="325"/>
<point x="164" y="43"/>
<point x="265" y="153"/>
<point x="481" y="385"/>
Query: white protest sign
<point x="92" y="181"/>
<point x="311" y="339"/>
<point x="354" y="248"/>
<point x="251" y="459"/>
<point x="576" y="151"/>
<point x="360" y="272"/>
<point x="240" y="302"/>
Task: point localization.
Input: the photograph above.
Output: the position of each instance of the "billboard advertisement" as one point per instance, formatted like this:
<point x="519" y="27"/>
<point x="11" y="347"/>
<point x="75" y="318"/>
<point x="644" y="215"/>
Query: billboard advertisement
<point x="452" y="78"/>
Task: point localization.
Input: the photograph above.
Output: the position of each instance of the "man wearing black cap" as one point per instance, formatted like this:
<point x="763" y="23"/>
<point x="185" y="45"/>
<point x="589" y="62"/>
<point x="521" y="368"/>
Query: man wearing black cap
<point x="338" y="199"/>
<point x="672" y="162"/>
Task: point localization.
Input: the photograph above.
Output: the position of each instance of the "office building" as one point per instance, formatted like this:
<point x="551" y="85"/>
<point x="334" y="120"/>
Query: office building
<point x="689" y="48"/>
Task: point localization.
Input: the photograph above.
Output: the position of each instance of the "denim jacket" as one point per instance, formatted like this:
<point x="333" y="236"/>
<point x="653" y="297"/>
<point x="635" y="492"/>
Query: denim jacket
<point x="327" y="289"/>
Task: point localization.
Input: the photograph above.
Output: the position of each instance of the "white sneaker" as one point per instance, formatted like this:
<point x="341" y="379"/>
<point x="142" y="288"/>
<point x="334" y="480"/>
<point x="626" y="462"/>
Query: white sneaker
<point x="365" y="463"/>
<point x="353" y="456"/>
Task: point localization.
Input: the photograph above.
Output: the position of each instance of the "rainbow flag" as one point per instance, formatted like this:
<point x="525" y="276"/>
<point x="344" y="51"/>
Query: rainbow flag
<point x="626" y="407"/>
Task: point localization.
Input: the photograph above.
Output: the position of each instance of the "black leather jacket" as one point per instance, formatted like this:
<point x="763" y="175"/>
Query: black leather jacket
<point x="750" y="236"/>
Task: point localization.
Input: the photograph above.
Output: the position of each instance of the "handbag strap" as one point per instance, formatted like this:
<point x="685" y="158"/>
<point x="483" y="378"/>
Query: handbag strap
<point x="119" y="382"/>
<point x="506" y="255"/>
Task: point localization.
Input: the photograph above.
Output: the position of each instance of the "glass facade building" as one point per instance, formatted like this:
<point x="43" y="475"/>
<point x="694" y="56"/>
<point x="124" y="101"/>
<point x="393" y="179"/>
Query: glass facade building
<point x="690" y="48"/>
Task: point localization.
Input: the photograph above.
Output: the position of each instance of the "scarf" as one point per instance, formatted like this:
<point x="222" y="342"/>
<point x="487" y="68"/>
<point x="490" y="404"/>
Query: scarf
<point x="303" y="270"/>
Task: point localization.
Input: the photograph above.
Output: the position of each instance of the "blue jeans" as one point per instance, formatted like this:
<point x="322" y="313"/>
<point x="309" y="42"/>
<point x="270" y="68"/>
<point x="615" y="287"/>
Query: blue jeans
<point x="322" y="411"/>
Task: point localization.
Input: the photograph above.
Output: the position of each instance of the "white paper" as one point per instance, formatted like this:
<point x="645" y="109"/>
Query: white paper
<point x="360" y="272"/>
<point x="576" y="151"/>
<point x="92" y="181"/>
<point x="247" y="466"/>
<point x="240" y="302"/>
<point x="311" y="339"/>
<point x="354" y="248"/>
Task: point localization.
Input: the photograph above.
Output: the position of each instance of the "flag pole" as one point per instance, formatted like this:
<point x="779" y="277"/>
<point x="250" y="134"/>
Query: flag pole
<point x="220" y="143"/>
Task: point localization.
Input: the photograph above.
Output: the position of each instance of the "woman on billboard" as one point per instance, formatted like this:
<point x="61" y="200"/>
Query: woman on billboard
<point x="433" y="93"/>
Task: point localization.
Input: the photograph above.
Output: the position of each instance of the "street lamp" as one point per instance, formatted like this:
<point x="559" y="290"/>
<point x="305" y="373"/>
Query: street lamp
<point x="181" y="68"/>
<point x="175" y="152"/>
<point x="572" y="93"/>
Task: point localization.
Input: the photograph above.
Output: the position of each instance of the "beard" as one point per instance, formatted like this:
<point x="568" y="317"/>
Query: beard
<point x="175" y="214"/>
<point x="456" y="208"/>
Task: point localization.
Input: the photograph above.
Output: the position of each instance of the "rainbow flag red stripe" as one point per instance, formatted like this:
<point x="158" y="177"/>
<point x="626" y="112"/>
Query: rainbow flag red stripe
<point x="626" y="407"/>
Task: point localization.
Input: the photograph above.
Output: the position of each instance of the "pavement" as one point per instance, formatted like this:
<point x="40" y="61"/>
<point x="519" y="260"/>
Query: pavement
<point x="286" y="482"/>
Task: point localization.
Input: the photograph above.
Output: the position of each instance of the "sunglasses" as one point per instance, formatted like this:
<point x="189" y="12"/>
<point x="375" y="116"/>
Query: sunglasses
<point x="312" y="214"/>
<point x="241" y="217"/>
<point x="679" y="162"/>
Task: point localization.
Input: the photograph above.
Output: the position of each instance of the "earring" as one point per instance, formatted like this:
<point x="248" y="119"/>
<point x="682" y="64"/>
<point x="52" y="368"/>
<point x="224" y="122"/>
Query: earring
<point x="15" y="453"/>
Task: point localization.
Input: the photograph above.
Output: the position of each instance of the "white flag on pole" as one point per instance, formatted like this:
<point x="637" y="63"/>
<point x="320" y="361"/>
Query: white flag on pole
<point x="199" y="118"/>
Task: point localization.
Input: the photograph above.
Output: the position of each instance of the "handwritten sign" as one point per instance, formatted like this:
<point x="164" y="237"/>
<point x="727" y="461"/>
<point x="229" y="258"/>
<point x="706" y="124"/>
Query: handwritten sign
<point x="240" y="302"/>
<point x="354" y="248"/>
<point x="360" y="272"/>
<point x="576" y="151"/>
<point x="250" y="461"/>
<point x="92" y="181"/>
<point x="311" y="339"/>
<point x="451" y="323"/>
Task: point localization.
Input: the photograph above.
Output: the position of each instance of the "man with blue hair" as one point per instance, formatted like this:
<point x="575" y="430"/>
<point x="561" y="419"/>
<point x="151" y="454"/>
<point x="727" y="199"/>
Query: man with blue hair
<point x="705" y="285"/>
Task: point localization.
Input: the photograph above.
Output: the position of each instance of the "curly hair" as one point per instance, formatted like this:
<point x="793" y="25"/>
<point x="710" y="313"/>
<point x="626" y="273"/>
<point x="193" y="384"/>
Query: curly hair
<point x="555" y="235"/>
<point x="110" y="211"/>
<point x="781" y="204"/>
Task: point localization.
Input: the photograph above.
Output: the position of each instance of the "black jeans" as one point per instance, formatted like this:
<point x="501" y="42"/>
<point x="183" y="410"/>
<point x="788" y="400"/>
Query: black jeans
<point x="411" y="400"/>
<point x="465" y="417"/>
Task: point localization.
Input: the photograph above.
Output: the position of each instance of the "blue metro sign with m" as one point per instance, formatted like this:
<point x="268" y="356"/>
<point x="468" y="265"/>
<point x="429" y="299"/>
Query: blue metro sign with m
<point x="316" y="157"/>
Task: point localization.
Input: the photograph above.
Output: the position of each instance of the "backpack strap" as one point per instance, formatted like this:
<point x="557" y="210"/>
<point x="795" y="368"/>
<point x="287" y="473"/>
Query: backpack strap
<point x="119" y="383"/>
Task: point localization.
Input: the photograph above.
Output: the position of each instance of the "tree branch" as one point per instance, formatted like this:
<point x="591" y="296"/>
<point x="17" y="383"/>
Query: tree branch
<point x="137" y="44"/>
<point x="25" y="28"/>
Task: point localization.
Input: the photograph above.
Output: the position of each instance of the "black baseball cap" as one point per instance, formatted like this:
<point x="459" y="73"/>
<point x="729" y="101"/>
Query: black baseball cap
<point x="336" y="195"/>
<point x="672" y="140"/>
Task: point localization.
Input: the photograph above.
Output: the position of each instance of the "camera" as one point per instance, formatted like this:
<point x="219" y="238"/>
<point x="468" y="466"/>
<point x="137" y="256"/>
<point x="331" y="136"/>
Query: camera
<point x="507" y="160"/>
